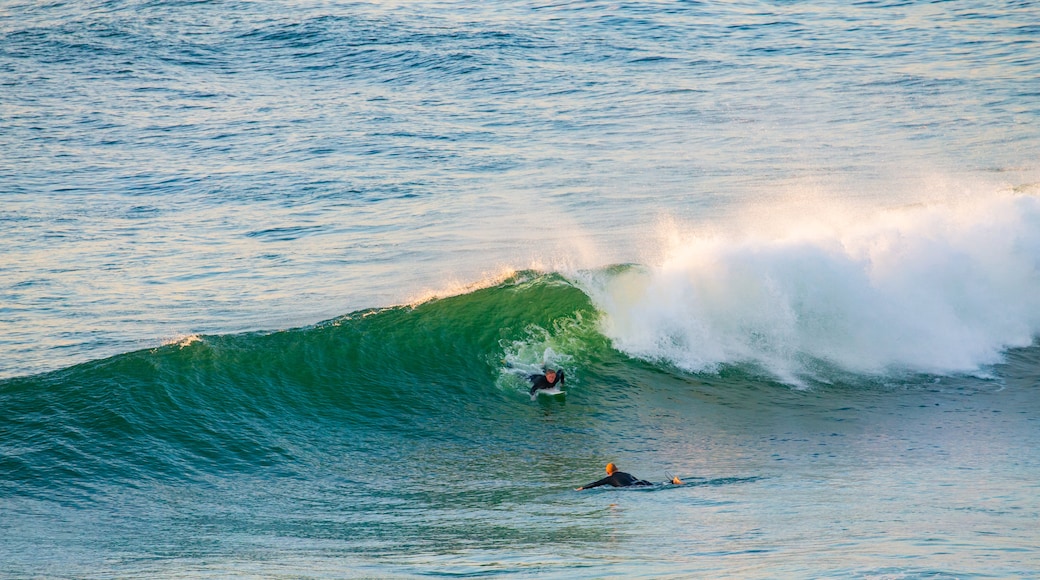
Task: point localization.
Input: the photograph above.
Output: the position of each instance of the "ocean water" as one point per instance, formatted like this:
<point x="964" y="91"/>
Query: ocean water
<point x="271" y="274"/>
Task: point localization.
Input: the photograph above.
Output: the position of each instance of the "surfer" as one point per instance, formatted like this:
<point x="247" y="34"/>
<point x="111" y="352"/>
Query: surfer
<point x="546" y="381"/>
<point x="617" y="478"/>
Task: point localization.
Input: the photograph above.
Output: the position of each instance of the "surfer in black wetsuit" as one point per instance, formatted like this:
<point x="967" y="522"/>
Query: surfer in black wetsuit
<point x="617" y="478"/>
<point x="546" y="381"/>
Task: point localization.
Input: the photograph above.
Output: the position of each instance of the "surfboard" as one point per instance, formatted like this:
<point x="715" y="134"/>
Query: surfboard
<point x="549" y="392"/>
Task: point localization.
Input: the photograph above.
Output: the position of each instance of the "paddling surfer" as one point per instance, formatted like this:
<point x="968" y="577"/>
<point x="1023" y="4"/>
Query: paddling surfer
<point x="617" y="478"/>
<point x="546" y="381"/>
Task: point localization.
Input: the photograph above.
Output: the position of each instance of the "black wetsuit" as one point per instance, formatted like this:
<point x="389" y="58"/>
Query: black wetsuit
<point x="618" y="479"/>
<point x="540" y="382"/>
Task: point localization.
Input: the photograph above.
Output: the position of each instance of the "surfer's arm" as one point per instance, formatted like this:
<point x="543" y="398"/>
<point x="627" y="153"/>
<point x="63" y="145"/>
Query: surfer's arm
<point x="603" y="481"/>
<point x="560" y="377"/>
<point x="539" y="382"/>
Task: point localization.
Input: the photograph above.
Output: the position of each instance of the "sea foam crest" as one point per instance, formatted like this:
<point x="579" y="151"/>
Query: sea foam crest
<point x="182" y="340"/>
<point x="938" y="288"/>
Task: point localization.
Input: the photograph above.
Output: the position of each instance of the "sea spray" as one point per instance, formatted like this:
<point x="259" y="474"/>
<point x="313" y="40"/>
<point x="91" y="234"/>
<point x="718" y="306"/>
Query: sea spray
<point x="933" y="288"/>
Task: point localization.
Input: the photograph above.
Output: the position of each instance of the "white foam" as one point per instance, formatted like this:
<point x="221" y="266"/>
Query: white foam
<point x="182" y="341"/>
<point x="935" y="288"/>
<point x="456" y="288"/>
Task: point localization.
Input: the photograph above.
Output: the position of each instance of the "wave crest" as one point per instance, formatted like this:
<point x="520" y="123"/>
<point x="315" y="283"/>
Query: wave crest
<point x="931" y="288"/>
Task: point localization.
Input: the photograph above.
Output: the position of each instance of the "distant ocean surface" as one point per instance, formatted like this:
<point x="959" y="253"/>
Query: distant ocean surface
<point x="272" y="272"/>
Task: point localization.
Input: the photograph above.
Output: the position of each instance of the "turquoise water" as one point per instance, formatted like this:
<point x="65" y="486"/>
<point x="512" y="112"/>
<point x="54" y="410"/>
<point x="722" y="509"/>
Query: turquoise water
<point x="271" y="272"/>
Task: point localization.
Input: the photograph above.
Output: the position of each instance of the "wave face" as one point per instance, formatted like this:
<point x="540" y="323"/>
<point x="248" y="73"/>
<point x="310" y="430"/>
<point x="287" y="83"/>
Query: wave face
<point x="922" y="291"/>
<point x="941" y="289"/>
<point x="215" y="404"/>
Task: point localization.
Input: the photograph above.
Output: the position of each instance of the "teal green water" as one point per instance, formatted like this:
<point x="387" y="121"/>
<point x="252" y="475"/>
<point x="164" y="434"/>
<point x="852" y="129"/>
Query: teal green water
<point x="400" y="442"/>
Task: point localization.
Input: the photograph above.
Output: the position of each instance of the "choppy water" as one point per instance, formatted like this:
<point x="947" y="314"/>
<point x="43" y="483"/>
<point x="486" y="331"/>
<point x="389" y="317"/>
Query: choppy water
<point x="789" y="252"/>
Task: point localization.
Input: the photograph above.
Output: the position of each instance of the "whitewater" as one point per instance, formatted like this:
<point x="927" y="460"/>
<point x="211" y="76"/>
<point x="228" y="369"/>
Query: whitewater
<point x="272" y="274"/>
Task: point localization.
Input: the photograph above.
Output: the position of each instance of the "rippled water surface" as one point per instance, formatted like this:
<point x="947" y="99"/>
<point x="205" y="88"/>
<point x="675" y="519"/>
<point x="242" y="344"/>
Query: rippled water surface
<point x="790" y="251"/>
